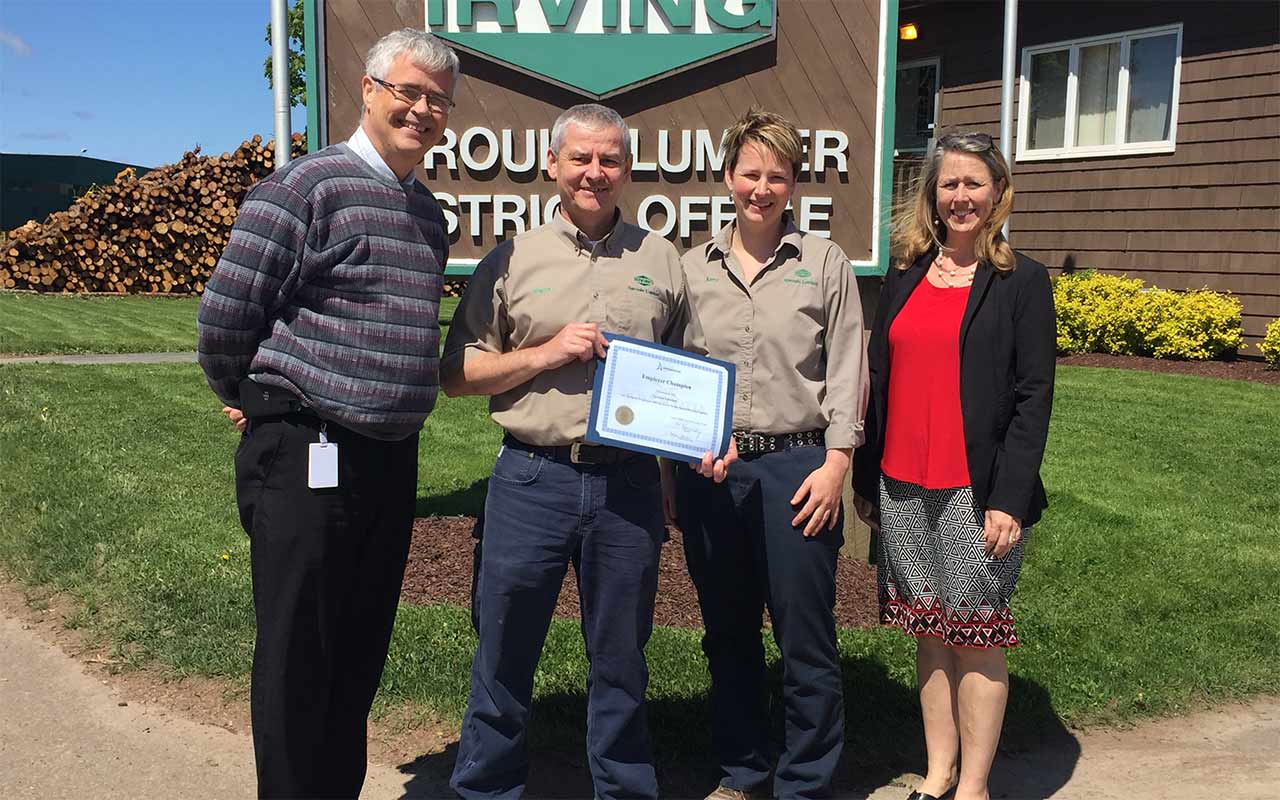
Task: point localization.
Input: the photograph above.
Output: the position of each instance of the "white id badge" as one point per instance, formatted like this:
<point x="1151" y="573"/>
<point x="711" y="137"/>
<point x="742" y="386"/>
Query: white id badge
<point x="322" y="465"/>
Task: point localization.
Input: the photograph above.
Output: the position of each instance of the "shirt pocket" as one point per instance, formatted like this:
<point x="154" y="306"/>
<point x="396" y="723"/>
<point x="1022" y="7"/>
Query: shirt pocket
<point x="638" y="315"/>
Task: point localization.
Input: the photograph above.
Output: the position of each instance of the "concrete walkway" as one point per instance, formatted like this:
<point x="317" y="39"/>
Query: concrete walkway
<point x="104" y="358"/>
<point x="65" y="733"/>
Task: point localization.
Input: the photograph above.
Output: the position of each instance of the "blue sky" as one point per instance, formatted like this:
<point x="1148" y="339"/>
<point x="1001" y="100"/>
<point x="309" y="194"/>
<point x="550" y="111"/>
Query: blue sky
<point x="138" y="81"/>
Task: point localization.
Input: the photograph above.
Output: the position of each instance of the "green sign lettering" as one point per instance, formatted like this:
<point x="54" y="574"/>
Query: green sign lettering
<point x="755" y="12"/>
<point x="557" y="12"/>
<point x="678" y="13"/>
<point x="613" y="46"/>
<point x="505" y="9"/>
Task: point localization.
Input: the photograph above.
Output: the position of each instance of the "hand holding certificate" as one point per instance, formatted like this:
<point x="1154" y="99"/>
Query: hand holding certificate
<point x="659" y="400"/>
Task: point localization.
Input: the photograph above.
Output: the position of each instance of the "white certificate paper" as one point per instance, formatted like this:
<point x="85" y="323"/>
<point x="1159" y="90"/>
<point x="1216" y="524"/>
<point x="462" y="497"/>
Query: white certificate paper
<point x="660" y="400"/>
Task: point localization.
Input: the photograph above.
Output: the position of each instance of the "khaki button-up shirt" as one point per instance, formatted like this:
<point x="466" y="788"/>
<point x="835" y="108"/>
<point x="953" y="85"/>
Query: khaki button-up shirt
<point x="525" y="290"/>
<point x="795" y="334"/>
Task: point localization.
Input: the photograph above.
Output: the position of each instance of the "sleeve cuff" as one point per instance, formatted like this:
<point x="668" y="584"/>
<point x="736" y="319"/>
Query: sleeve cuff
<point x="843" y="437"/>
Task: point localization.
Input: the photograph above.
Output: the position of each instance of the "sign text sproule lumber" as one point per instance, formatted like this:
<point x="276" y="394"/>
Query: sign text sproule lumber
<point x="481" y="151"/>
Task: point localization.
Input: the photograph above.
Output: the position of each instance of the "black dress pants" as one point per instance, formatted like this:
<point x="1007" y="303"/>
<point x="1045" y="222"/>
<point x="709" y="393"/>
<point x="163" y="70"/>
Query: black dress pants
<point x="327" y="568"/>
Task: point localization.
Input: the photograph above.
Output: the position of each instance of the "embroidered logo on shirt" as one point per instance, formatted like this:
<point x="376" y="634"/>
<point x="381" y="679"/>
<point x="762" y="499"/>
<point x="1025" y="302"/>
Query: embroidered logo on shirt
<point x="643" y="280"/>
<point x="542" y="290"/>
<point x="801" y="277"/>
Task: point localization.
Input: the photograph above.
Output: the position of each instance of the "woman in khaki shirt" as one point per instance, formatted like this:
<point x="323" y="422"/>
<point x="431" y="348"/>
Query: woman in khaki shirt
<point x="783" y="306"/>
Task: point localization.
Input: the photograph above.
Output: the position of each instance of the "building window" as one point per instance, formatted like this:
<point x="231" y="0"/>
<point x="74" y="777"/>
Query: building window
<point x="916" y="105"/>
<point x="1102" y="96"/>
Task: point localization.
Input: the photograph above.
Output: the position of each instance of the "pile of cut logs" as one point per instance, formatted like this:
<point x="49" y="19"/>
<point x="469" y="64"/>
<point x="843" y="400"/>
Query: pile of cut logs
<point x="162" y="232"/>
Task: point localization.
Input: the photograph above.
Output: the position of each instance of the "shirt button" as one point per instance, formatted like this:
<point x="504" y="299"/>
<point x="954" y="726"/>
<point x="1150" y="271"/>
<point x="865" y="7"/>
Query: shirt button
<point x="595" y="295"/>
<point x="748" y="329"/>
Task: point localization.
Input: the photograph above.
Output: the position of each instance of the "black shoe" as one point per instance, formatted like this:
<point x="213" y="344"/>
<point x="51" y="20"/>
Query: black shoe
<point x="923" y="796"/>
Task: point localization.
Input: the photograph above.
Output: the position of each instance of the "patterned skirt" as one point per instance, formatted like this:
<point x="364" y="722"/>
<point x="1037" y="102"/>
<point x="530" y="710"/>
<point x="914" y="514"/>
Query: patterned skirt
<point x="935" y="579"/>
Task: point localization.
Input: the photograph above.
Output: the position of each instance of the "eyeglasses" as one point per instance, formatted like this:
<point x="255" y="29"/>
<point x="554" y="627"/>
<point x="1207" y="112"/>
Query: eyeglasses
<point x="412" y="94"/>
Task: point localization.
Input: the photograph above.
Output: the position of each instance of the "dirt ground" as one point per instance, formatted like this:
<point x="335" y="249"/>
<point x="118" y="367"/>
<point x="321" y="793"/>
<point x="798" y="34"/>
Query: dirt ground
<point x="441" y="555"/>
<point x="1239" y="369"/>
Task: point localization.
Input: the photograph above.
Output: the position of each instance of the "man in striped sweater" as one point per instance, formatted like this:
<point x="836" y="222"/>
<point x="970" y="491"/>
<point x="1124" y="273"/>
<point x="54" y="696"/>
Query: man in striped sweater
<point x="319" y="331"/>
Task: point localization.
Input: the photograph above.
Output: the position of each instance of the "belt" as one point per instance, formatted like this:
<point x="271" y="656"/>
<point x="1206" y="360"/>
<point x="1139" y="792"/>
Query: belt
<point x="576" y="453"/>
<point x="754" y="443"/>
<point x="262" y="400"/>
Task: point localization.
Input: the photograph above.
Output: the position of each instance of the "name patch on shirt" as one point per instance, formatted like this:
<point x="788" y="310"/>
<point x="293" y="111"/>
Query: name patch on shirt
<point x="801" y="277"/>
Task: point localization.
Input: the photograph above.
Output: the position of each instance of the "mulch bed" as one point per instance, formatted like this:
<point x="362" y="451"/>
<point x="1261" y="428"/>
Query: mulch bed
<point x="439" y="571"/>
<point x="1239" y="370"/>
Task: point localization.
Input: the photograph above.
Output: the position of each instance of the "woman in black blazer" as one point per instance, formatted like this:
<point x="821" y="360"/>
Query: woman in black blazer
<point x="962" y="360"/>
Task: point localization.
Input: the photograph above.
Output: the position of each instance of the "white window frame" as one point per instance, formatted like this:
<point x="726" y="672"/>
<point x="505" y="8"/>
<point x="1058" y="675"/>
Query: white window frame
<point x="1073" y="98"/>
<point x="936" y="63"/>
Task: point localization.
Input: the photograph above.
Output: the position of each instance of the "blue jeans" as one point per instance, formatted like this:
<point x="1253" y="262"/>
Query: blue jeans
<point x="743" y="555"/>
<point x="539" y="516"/>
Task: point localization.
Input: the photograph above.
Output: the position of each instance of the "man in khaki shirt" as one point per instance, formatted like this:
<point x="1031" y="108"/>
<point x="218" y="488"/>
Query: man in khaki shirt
<point x="526" y="334"/>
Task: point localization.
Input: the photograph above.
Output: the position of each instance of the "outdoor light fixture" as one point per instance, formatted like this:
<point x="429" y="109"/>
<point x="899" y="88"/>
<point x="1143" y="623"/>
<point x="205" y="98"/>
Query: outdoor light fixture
<point x="908" y="32"/>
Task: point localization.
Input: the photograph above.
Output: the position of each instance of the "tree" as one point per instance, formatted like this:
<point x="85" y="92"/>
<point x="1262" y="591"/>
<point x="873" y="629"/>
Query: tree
<point x="297" y="57"/>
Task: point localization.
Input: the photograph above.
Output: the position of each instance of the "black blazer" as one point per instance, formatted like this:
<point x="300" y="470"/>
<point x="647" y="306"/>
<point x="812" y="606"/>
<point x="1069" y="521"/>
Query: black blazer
<point x="1008" y="344"/>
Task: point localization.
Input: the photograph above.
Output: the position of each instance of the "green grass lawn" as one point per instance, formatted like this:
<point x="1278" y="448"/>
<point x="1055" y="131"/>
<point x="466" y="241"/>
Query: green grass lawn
<point x="55" y="323"/>
<point x="1152" y="584"/>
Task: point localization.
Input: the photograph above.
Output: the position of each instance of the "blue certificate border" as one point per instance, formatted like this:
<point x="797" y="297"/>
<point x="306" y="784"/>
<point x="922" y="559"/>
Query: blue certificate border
<point x="596" y="435"/>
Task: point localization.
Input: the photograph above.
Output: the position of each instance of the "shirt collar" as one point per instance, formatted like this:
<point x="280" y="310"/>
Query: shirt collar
<point x="792" y="237"/>
<point x="578" y="240"/>
<point x="363" y="147"/>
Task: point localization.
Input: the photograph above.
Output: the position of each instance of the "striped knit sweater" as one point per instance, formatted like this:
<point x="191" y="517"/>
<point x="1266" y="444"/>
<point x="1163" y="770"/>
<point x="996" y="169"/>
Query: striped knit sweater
<point x="330" y="287"/>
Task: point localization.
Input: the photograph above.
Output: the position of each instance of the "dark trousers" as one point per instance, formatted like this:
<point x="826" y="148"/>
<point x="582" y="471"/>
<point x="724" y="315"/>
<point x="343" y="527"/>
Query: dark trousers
<point x="327" y="566"/>
<point x="743" y="556"/>
<point x="540" y="515"/>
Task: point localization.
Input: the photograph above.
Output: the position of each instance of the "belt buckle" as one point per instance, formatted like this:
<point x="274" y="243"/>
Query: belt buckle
<point x="586" y="453"/>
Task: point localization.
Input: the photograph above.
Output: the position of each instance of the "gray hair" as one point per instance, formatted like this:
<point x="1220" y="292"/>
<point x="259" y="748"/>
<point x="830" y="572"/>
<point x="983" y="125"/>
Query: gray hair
<point x="424" y="50"/>
<point x="593" y="116"/>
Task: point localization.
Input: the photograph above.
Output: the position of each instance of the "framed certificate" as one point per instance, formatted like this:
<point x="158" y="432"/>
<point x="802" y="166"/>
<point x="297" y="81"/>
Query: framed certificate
<point x="656" y="399"/>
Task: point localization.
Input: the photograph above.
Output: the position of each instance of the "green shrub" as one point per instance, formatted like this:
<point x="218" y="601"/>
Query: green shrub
<point x="1270" y="344"/>
<point x="1113" y="314"/>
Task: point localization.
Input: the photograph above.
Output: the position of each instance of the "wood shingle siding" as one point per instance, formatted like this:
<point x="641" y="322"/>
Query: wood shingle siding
<point x="1205" y="215"/>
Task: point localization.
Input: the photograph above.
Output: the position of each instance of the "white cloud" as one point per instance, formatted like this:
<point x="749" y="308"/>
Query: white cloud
<point x="15" y="42"/>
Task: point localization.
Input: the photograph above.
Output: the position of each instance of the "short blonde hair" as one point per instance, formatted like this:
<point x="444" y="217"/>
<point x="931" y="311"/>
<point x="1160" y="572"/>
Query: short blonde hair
<point x="773" y="132"/>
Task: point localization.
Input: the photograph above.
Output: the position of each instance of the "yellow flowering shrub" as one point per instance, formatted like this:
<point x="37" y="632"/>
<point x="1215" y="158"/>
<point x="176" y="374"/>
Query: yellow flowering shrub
<point x="1270" y="344"/>
<point x="1094" y="312"/>
<point x="1100" y="313"/>
<point x="1196" y="325"/>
